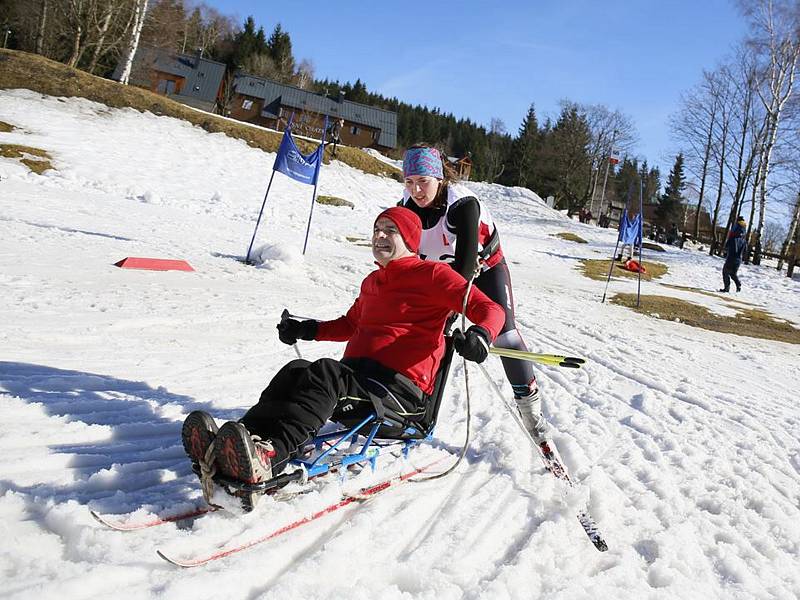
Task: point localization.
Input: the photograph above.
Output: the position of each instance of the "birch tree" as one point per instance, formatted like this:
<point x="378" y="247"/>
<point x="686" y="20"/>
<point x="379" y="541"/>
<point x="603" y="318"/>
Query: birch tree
<point x="791" y="235"/>
<point x="42" y="26"/>
<point x="774" y="29"/>
<point x="139" y="12"/>
<point x="610" y="130"/>
<point x="693" y="128"/>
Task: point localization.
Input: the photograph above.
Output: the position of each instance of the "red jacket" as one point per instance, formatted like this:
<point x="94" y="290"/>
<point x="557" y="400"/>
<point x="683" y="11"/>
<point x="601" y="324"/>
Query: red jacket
<point x="398" y="318"/>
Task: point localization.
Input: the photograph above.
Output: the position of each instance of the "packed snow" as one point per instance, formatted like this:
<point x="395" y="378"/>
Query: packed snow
<point x="686" y="442"/>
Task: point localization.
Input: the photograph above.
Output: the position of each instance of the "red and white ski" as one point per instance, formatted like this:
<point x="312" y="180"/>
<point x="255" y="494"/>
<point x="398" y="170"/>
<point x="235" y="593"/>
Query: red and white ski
<point x="346" y="500"/>
<point x="120" y="525"/>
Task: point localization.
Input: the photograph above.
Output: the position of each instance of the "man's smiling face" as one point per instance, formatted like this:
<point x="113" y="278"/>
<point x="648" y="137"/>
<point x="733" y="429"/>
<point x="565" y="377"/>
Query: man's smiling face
<point x="387" y="243"/>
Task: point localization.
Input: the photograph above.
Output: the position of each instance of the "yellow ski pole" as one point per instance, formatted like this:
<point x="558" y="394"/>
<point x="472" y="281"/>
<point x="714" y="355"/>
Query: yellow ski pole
<point x="572" y="362"/>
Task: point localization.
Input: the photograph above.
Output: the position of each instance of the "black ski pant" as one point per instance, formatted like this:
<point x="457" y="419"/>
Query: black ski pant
<point x="496" y="283"/>
<point x="729" y="270"/>
<point x="304" y="395"/>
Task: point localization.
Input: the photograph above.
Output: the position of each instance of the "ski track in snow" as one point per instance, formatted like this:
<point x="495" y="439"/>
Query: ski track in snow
<point x="685" y="441"/>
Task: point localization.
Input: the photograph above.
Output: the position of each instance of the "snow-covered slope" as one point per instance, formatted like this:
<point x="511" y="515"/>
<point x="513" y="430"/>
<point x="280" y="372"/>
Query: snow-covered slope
<point x="687" y="439"/>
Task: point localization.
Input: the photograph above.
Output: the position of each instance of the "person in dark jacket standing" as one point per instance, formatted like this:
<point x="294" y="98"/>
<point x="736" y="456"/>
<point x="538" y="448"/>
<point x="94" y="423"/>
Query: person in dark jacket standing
<point x="458" y="230"/>
<point x="336" y="134"/>
<point x="735" y="247"/>
<point x="394" y="334"/>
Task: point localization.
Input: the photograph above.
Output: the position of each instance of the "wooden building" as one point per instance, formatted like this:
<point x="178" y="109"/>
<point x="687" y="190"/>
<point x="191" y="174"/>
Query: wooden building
<point x="202" y="83"/>
<point x="462" y="166"/>
<point x="189" y="79"/>
<point x="270" y="104"/>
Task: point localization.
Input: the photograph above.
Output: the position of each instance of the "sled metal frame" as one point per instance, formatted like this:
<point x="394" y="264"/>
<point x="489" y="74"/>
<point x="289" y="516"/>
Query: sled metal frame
<point x="320" y="464"/>
<point x="322" y="461"/>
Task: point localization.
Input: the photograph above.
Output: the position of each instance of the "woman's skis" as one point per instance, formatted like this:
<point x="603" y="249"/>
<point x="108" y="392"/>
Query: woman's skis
<point x="553" y="463"/>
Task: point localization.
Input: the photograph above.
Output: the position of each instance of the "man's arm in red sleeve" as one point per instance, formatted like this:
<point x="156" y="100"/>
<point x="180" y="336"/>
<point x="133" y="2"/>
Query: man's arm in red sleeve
<point x="481" y="310"/>
<point x="341" y="329"/>
<point x="485" y="312"/>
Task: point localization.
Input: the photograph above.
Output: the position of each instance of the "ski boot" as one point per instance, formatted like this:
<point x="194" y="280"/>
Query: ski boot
<point x="245" y="458"/>
<point x="198" y="434"/>
<point x="530" y="411"/>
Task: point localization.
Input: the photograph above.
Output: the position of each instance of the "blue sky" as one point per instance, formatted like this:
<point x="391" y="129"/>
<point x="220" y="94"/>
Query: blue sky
<point x="493" y="59"/>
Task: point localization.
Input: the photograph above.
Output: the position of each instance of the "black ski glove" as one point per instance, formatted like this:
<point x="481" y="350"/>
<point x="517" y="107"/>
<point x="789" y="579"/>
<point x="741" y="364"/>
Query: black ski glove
<point x="474" y="345"/>
<point x="291" y="330"/>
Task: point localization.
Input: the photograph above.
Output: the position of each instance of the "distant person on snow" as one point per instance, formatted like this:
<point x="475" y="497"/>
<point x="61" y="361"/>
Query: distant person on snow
<point x="336" y="134"/>
<point x="735" y="247"/>
<point x="458" y="230"/>
<point x="395" y="343"/>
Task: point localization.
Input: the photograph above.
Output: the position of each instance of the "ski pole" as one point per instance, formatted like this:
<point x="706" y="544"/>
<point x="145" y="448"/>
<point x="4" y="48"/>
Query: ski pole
<point x="572" y="362"/>
<point x="286" y="315"/>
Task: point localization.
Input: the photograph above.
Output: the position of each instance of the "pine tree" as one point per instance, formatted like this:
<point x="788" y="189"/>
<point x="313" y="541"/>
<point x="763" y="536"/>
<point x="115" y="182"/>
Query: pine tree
<point x="246" y="43"/>
<point x="652" y="185"/>
<point x="567" y="166"/>
<point x="524" y="152"/>
<point x="358" y="93"/>
<point x="279" y="49"/>
<point x="626" y="184"/>
<point x="669" y="209"/>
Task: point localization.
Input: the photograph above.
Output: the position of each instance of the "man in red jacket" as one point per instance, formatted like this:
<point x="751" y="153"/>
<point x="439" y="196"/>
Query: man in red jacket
<point x="395" y="344"/>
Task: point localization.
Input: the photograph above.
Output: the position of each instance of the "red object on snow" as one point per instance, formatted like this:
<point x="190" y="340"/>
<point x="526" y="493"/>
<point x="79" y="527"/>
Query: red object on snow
<point x="153" y="264"/>
<point x="632" y="265"/>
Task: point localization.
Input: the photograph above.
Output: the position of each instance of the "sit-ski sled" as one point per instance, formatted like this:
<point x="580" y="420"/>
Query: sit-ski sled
<point x="353" y="446"/>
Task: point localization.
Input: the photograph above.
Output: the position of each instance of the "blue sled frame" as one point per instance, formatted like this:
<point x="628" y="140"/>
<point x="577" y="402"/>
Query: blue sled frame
<point x="321" y="460"/>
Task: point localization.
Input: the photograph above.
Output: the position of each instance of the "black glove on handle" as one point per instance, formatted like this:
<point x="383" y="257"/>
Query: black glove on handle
<point x="474" y="345"/>
<point x="291" y="330"/>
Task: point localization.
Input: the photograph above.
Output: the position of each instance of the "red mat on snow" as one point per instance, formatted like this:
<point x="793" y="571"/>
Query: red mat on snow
<point x="634" y="266"/>
<point x="153" y="264"/>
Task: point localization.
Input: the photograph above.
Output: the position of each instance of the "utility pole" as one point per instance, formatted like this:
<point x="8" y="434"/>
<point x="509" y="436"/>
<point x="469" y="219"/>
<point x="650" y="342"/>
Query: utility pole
<point x="605" y="178"/>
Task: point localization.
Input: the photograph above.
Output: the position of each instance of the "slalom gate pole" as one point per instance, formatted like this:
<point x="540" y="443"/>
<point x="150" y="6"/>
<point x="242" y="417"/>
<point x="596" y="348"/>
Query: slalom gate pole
<point x="316" y="181"/>
<point x="258" y="221"/>
<point x="619" y="235"/>
<point x="641" y="239"/>
<point x="610" y="268"/>
<point x="263" y="204"/>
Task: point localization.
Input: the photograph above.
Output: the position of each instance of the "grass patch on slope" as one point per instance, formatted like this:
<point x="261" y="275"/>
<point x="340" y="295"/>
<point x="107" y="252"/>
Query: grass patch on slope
<point x="729" y="298"/>
<point x="6" y="127"/>
<point x="651" y="246"/>
<point x="334" y="201"/>
<point x="748" y="322"/>
<point x="34" y="72"/>
<point x="570" y="237"/>
<point x="36" y="159"/>
<point x="597" y="269"/>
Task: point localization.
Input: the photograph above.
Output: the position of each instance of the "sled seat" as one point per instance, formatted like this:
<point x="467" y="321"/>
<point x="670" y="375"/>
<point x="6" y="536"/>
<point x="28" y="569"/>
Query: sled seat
<point x="381" y="424"/>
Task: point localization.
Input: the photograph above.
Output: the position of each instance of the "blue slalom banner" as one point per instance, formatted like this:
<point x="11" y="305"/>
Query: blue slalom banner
<point x="630" y="230"/>
<point x="293" y="163"/>
<point x="300" y="167"/>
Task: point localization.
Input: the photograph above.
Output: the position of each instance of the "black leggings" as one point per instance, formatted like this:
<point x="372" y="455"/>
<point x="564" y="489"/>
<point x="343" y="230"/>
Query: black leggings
<point x="729" y="272"/>
<point x="496" y="283"/>
<point x="304" y="395"/>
